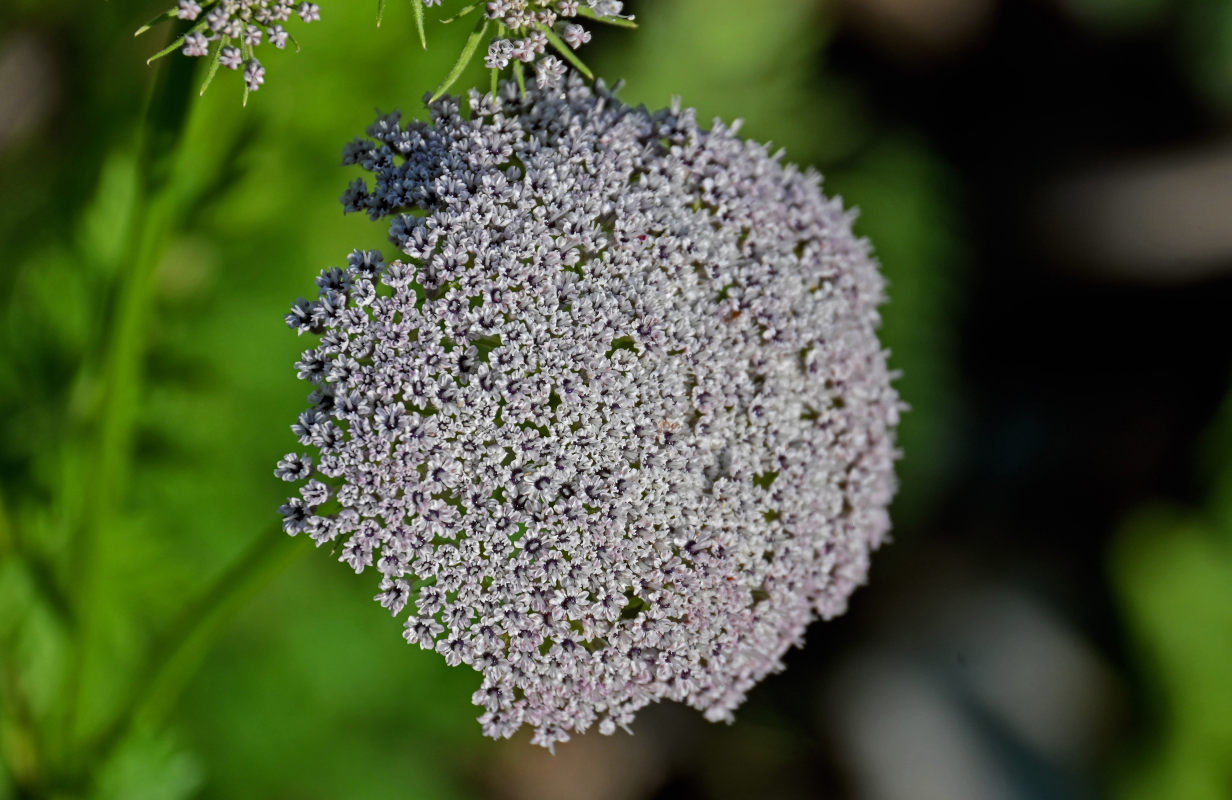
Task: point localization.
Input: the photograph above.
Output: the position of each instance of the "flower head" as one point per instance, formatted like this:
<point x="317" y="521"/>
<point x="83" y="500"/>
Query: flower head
<point x="617" y="426"/>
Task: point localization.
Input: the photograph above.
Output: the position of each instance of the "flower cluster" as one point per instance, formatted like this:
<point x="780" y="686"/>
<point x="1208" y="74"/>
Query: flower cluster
<point x="617" y="426"/>
<point x="528" y="27"/>
<point x="231" y="30"/>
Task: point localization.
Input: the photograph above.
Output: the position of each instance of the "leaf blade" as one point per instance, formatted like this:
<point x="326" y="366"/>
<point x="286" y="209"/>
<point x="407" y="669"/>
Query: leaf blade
<point x="177" y="44"/>
<point x="466" y="10"/>
<point x="214" y="64"/>
<point x="464" y="60"/>
<point x="170" y="13"/>
<point x="619" y="22"/>
<point x="417" y="9"/>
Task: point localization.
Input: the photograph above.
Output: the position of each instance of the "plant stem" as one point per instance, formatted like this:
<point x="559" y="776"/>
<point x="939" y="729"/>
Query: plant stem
<point x="18" y="740"/>
<point x="8" y="537"/>
<point x="179" y="652"/>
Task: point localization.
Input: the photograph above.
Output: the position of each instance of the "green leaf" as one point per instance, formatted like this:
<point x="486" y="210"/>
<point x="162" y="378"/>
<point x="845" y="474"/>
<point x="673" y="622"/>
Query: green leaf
<point x="619" y="22"/>
<point x="563" y="48"/>
<point x="460" y="14"/>
<point x="7" y="537"/>
<point x="468" y="52"/>
<point x="171" y="48"/>
<point x="380" y="12"/>
<point x="209" y="76"/>
<point x="417" y="8"/>
<point x="168" y="14"/>
<point x="1171" y="570"/>
<point x="149" y="767"/>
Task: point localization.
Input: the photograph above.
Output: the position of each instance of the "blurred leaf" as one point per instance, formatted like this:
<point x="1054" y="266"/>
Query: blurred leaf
<point x="1173" y="576"/>
<point x="1117" y="15"/>
<point x="1206" y="45"/>
<point x="106" y="224"/>
<point x="33" y="642"/>
<point x="1216" y="462"/>
<point x="725" y="61"/>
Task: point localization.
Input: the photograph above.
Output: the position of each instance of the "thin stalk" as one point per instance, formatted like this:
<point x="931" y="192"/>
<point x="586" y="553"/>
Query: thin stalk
<point x="619" y="22"/>
<point x="175" y="45"/>
<point x="8" y="536"/>
<point x="178" y="653"/>
<point x="519" y="74"/>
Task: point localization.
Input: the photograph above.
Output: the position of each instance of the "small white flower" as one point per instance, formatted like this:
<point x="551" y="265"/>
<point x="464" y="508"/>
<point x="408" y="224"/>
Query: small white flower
<point x="575" y="35"/>
<point x="195" y="44"/>
<point x="230" y="57"/>
<point x="549" y="71"/>
<point x="254" y="75"/>
<point x="278" y="36"/>
<point x="309" y="12"/>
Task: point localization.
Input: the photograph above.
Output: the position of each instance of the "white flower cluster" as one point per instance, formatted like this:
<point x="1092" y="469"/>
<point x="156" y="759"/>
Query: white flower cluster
<point x="532" y="25"/>
<point x="618" y="426"/>
<point x="236" y="27"/>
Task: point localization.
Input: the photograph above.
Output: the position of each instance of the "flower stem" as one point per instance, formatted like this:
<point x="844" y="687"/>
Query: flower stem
<point x="177" y="655"/>
<point x="8" y="537"/>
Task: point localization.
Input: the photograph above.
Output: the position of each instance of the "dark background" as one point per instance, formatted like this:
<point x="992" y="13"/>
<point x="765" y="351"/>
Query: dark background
<point x="1048" y="184"/>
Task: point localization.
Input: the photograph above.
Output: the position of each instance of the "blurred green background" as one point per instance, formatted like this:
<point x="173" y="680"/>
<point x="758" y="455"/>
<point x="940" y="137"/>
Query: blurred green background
<point x="1046" y="183"/>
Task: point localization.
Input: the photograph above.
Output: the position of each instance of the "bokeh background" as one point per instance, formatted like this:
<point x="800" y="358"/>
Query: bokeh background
<point x="1048" y="184"/>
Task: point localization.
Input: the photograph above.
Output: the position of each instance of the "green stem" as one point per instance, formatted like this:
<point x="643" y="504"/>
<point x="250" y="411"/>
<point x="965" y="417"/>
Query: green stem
<point x="19" y="745"/>
<point x="619" y="22"/>
<point x="106" y="479"/>
<point x="8" y="537"/>
<point x="519" y="74"/>
<point x="178" y="653"/>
